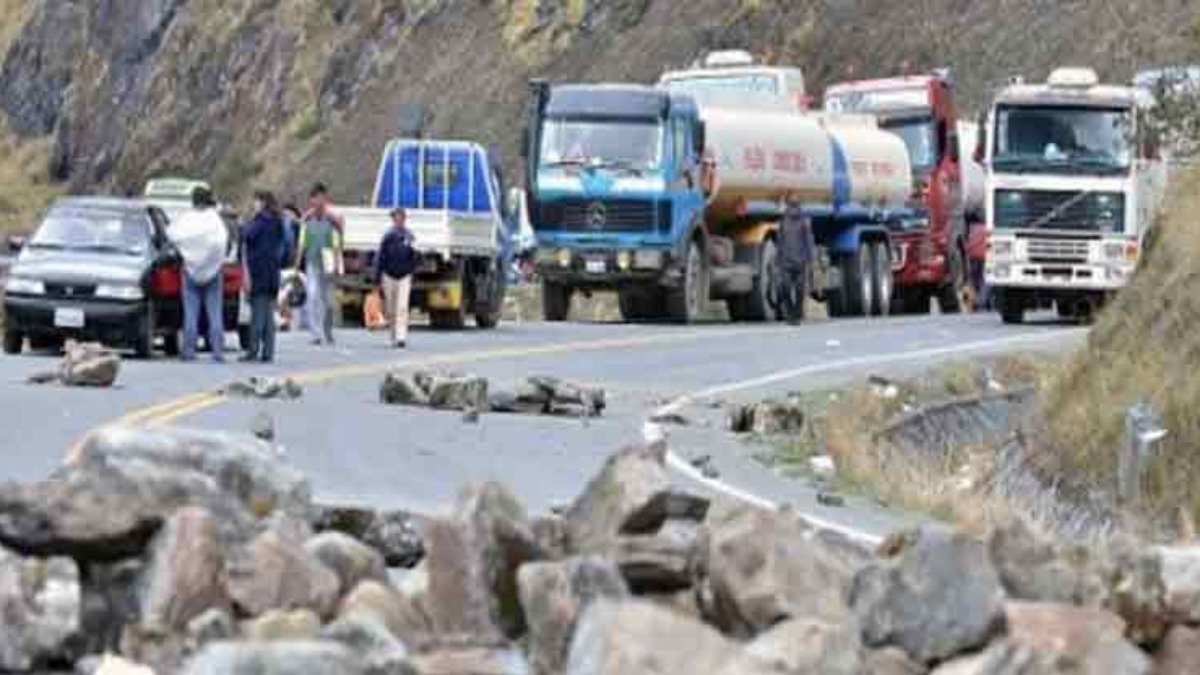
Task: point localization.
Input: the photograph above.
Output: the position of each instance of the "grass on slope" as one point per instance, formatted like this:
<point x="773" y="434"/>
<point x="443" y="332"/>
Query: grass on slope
<point x="1146" y="346"/>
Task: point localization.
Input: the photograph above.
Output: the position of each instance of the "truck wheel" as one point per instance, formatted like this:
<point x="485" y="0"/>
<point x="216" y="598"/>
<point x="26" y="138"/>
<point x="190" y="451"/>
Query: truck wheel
<point x="883" y="284"/>
<point x="685" y="303"/>
<point x="1012" y="310"/>
<point x="955" y="296"/>
<point x="489" y="317"/>
<point x="913" y="300"/>
<point x="556" y="301"/>
<point x="143" y="343"/>
<point x="857" y="288"/>
<point x="757" y="306"/>
<point x="13" y="342"/>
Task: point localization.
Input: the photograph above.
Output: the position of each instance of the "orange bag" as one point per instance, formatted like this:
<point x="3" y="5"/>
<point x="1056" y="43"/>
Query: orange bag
<point x="373" y="315"/>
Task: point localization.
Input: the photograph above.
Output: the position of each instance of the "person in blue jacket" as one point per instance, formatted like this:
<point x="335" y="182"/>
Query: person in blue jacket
<point x="264" y="241"/>
<point x="394" y="267"/>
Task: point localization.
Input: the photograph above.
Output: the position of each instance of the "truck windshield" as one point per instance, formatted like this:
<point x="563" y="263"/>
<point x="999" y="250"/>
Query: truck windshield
<point x="93" y="230"/>
<point x="1059" y="139"/>
<point x="918" y="137"/>
<point x="635" y="145"/>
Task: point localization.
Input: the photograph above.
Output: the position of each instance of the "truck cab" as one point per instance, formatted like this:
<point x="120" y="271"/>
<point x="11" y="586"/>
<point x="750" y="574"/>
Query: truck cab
<point x="930" y="249"/>
<point x="1073" y="189"/>
<point x="612" y="183"/>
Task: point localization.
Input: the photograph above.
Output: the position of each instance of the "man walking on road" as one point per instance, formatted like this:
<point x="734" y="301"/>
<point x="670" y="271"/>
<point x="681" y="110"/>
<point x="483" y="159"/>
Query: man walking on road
<point x="796" y="251"/>
<point x="394" y="267"/>
<point x="320" y="249"/>
<point x="202" y="240"/>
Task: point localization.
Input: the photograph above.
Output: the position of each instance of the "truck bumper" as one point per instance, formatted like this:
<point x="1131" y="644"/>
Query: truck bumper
<point x="1057" y="277"/>
<point x="438" y="292"/>
<point x="606" y="269"/>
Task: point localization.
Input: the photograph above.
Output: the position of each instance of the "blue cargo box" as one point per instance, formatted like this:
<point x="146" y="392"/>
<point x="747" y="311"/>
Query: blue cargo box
<point x="434" y="175"/>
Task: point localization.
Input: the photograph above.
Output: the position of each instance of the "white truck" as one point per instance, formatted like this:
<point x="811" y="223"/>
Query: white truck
<point x="452" y="196"/>
<point x="1073" y="188"/>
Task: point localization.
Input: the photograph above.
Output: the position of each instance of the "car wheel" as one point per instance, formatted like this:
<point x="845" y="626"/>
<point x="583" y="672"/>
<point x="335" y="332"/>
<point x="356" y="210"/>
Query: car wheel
<point x="143" y="344"/>
<point x="171" y="344"/>
<point x="13" y="342"/>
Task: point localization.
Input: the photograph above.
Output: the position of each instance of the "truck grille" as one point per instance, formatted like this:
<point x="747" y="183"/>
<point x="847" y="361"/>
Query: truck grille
<point x="601" y="215"/>
<point x="1066" y="210"/>
<point x="1057" y="250"/>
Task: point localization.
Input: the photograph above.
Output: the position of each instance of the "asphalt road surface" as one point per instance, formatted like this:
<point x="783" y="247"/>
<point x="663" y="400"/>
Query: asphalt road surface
<point x="357" y="450"/>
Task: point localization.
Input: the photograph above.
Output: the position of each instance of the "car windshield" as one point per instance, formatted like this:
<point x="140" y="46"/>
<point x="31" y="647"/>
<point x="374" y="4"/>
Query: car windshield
<point x="918" y="137"/>
<point x="93" y="229"/>
<point x="1057" y="139"/>
<point x="635" y="145"/>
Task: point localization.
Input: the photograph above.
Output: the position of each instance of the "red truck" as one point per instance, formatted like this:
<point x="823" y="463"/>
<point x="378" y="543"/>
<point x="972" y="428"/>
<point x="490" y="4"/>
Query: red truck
<point x="932" y="252"/>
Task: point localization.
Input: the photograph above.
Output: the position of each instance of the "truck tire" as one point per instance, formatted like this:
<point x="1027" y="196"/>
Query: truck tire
<point x="912" y="300"/>
<point x="858" y="290"/>
<point x="448" y="319"/>
<point x="685" y="304"/>
<point x="757" y="306"/>
<point x="1012" y="310"/>
<point x="13" y="342"/>
<point x="487" y="318"/>
<point x="882" y="281"/>
<point x="954" y="297"/>
<point x="556" y="301"/>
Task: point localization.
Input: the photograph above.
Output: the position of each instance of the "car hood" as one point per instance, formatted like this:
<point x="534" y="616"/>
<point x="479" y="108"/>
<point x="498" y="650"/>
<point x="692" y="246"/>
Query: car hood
<point x="80" y="267"/>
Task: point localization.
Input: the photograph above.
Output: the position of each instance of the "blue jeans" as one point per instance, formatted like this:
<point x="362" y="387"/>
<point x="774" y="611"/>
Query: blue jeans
<point x="262" y="327"/>
<point x="206" y="299"/>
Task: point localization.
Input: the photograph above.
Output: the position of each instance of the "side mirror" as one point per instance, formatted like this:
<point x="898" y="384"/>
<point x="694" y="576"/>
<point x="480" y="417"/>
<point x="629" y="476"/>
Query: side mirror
<point x="16" y="243"/>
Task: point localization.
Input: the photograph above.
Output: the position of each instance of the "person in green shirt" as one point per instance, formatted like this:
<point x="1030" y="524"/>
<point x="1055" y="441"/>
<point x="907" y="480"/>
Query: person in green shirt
<point x="320" y="252"/>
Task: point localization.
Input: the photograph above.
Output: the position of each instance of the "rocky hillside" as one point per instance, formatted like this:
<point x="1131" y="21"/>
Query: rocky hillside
<point x="99" y="95"/>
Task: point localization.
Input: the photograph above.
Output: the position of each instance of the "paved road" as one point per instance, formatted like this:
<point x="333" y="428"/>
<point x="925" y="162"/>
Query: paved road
<point x="356" y="450"/>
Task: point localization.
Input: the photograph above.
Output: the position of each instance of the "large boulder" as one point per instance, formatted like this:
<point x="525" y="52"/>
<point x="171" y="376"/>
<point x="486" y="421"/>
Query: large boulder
<point x="770" y="417"/>
<point x="938" y="598"/>
<point x="397" y="613"/>
<point x="620" y="498"/>
<point x="635" y="636"/>
<point x="276" y="658"/>
<point x="89" y="365"/>
<point x="1179" y="653"/>
<point x="185" y="571"/>
<point x="1092" y="638"/>
<point x="654" y="563"/>
<point x="1005" y="658"/>
<point x="766" y="567"/>
<point x="99" y="515"/>
<point x="1181" y="583"/>
<point x="395" y="534"/>
<point x="1034" y="568"/>
<point x="554" y="595"/>
<point x="381" y="652"/>
<point x="279" y="625"/>
<point x="39" y="610"/>
<point x="400" y="389"/>
<point x="235" y="477"/>
<point x="803" y="646"/>
<point x="473" y="563"/>
<point x="351" y="560"/>
<point x="454" y="391"/>
<point x="472" y="661"/>
<point x="270" y="573"/>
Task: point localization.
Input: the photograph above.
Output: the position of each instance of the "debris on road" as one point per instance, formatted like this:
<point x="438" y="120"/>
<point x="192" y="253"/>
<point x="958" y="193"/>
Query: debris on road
<point x="472" y="395"/>
<point x="83" y="365"/>
<point x="704" y="464"/>
<point x="771" y="417"/>
<point x="264" y="388"/>
<point x="263" y="427"/>
<point x="192" y="552"/>
<point x="672" y="418"/>
<point x="883" y="388"/>
<point x="822" y="465"/>
<point x="830" y="499"/>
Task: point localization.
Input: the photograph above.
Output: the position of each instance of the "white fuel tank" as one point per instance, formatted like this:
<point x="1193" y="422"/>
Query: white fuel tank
<point x="830" y="161"/>
<point x="974" y="176"/>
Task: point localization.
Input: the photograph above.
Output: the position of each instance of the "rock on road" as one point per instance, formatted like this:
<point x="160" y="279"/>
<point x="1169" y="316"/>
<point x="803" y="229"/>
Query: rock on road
<point x="356" y="450"/>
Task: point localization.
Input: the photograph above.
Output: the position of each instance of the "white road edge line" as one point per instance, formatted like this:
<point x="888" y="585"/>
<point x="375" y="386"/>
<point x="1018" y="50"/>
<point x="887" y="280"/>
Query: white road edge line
<point x="653" y="432"/>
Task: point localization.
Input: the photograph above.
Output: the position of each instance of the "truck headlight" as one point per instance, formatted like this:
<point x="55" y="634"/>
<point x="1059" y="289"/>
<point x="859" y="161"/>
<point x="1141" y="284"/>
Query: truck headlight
<point x="624" y="260"/>
<point x="119" y="292"/>
<point x="21" y="286"/>
<point x="1002" y="271"/>
<point x="564" y="258"/>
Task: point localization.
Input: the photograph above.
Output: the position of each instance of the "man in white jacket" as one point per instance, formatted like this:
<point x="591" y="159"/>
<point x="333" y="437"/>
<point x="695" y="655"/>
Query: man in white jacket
<point x="202" y="239"/>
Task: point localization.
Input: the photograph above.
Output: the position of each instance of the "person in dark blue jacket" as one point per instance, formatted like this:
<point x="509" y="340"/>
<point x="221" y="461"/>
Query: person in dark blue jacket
<point x="264" y="240"/>
<point x="394" y="267"/>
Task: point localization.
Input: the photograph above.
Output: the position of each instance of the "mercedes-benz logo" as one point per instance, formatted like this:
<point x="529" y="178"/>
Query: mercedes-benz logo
<point x="597" y="216"/>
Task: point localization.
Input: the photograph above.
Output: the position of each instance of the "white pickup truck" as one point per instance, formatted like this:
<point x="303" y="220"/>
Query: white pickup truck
<point x="452" y="196"/>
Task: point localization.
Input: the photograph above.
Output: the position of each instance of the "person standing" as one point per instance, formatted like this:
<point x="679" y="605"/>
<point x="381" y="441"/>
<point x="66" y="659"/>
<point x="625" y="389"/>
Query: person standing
<point x="263" y="238"/>
<point x="202" y="239"/>
<point x="292" y="318"/>
<point x="796" y="250"/>
<point x="394" y="267"/>
<point x="320" y="250"/>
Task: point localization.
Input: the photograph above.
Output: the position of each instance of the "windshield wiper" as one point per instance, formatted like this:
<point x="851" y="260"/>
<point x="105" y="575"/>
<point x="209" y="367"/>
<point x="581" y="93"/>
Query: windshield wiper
<point x="1017" y="163"/>
<point x="563" y="163"/>
<point x="46" y="246"/>
<point x="1098" y="163"/>
<point x="622" y="164"/>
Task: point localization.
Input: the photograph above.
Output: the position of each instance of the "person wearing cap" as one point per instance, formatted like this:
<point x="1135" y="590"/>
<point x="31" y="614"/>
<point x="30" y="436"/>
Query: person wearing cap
<point x="394" y="267"/>
<point x="202" y="239"/>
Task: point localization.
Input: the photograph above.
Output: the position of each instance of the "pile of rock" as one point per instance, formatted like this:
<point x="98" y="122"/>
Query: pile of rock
<point x="537" y="395"/>
<point x="83" y="365"/>
<point x="204" y="554"/>
<point x="768" y="418"/>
